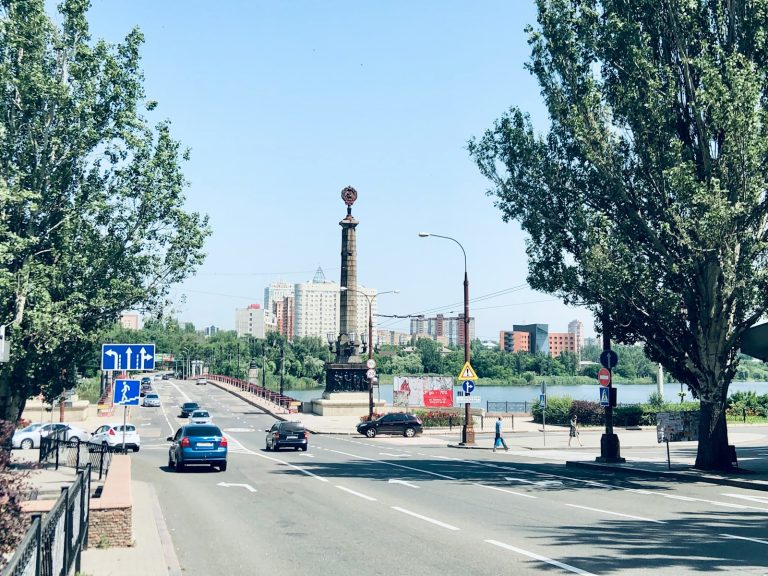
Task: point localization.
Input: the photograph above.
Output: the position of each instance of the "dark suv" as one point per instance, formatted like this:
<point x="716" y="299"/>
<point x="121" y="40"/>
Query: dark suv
<point x="398" y="423"/>
<point x="287" y="435"/>
<point x="188" y="407"/>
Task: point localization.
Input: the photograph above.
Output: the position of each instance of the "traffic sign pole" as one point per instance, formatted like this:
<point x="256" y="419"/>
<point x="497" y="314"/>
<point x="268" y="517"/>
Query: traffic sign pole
<point x="610" y="449"/>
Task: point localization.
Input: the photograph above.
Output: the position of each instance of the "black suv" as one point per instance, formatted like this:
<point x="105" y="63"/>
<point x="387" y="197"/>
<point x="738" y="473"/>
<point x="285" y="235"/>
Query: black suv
<point x="398" y="423"/>
<point x="188" y="407"/>
<point x="287" y="435"/>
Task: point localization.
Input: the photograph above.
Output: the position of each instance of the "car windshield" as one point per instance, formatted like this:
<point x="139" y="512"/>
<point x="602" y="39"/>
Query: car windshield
<point x="203" y="431"/>
<point x="152" y="396"/>
<point x="200" y="414"/>
<point x="190" y="405"/>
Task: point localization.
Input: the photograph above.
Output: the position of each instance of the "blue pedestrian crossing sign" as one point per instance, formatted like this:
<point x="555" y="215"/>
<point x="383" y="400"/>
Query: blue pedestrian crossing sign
<point x="126" y="393"/>
<point x="605" y="399"/>
<point x="127" y="356"/>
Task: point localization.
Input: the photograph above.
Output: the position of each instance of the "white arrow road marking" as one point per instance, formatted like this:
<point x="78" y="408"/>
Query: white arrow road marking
<point x="744" y="538"/>
<point x="616" y="514"/>
<point x="535" y="556"/>
<point x="358" y="494"/>
<point x="403" y="482"/>
<point x="425" y="518"/>
<point x="393" y="455"/>
<point x="505" y="490"/>
<point x="228" y="485"/>
<point x="307" y="455"/>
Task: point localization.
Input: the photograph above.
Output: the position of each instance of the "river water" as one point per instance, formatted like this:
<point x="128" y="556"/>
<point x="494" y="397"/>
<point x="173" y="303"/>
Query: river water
<point x="627" y="394"/>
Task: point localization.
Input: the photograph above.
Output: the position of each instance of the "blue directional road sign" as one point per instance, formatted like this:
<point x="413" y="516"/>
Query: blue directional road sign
<point x="604" y="396"/>
<point x="127" y="356"/>
<point x="609" y="359"/>
<point x="126" y="393"/>
<point x="542" y="400"/>
<point x="468" y="386"/>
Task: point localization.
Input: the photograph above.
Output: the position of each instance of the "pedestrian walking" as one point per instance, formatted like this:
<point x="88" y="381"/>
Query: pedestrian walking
<point x="574" y="431"/>
<point x="499" y="439"/>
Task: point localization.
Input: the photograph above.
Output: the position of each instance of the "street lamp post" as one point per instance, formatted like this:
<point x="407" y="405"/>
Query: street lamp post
<point x="467" y="431"/>
<point x="370" y="300"/>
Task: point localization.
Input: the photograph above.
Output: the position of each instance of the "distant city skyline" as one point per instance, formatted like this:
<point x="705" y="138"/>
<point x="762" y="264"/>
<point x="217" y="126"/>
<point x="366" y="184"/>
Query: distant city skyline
<point x="283" y="104"/>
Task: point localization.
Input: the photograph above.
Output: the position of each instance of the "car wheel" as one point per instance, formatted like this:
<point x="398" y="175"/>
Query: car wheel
<point x="276" y="447"/>
<point x="304" y="448"/>
<point x="105" y="447"/>
<point x="170" y="462"/>
<point x="27" y="443"/>
<point x="179" y="467"/>
<point x="223" y="467"/>
<point x="266" y="447"/>
<point x="371" y="432"/>
<point x="409" y="432"/>
<point x="136" y="449"/>
<point x="74" y="442"/>
<point x="296" y="448"/>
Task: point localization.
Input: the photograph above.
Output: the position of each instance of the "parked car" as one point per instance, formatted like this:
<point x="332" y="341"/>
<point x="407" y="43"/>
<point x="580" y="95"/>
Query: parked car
<point x="114" y="435"/>
<point x="198" y="444"/>
<point x="29" y="437"/>
<point x="151" y="399"/>
<point x="187" y="408"/>
<point x="287" y="435"/>
<point x="202" y="381"/>
<point x="399" y="423"/>
<point x="200" y="417"/>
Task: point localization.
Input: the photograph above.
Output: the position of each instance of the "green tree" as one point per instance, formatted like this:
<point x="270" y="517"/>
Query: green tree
<point x="645" y="200"/>
<point x="91" y="196"/>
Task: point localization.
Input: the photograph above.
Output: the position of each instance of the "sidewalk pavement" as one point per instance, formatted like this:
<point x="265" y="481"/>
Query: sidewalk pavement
<point x="153" y="553"/>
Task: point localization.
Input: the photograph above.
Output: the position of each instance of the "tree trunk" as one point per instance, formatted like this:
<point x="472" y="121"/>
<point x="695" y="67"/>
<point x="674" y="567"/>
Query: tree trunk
<point x="713" y="452"/>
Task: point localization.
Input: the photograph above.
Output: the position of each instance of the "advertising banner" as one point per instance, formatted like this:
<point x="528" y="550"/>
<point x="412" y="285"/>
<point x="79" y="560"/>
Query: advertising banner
<point x="427" y="391"/>
<point x="677" y="426"/>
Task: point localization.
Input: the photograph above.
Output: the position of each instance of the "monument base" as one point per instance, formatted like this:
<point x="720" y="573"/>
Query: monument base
<point x="345" y="404"/>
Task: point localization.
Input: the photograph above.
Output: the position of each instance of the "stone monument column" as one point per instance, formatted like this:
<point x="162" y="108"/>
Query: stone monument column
<point x="347" y="350"/>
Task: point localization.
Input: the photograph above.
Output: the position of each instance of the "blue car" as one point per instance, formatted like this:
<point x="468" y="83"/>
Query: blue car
<point x="197" y="444"/>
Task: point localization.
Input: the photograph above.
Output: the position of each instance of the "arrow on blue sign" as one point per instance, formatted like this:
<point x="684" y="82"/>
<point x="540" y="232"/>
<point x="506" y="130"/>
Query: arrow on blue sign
<point x="468" y="386"/>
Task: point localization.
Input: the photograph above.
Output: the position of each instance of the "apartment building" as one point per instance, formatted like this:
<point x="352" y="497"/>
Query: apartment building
<point x="254" y="321"/>
<point x="445" y="329"/>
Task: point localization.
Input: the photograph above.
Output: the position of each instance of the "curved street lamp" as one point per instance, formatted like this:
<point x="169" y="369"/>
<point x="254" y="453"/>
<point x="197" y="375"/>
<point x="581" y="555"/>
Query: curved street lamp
<point x="370" y="300"/>
<point x="467" y="431"/>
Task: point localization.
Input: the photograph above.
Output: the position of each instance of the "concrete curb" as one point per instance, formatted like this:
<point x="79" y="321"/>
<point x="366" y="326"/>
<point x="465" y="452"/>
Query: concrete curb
<point x="693" y="476"/>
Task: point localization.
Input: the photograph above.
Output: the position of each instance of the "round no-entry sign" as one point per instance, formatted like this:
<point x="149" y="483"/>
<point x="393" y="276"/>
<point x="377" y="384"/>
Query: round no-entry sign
<point x="604" y="377"/>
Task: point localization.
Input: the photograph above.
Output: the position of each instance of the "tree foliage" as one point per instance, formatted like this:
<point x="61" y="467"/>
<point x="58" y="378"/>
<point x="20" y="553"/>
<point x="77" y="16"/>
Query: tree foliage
<point x="645" y="200"/>
<point x="91" y="196"/>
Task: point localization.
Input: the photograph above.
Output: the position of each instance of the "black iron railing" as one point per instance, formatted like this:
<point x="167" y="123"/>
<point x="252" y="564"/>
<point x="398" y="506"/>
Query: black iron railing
<point x="53" y="542"/>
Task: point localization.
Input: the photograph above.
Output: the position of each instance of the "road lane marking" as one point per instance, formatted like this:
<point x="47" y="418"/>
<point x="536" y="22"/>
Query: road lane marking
<point x="675" y="497"/>
<point x="425" y="518"/>
<point x="299" y="468"/>
<point x="306" y="455"/>
<point x="734" y="537"/>
<point x="358" y="494"/>
<point x="392" y="464"/>
<point x="535" y="556"/>
<point x="616" y="514"/>
<point x="744" y="497"/>
<point x="505" y="490"/>
<point x="403" y="482"/>
<point x="534" y="482"/>
<point x="393" y="455"/>
<point x="228" y="485"/>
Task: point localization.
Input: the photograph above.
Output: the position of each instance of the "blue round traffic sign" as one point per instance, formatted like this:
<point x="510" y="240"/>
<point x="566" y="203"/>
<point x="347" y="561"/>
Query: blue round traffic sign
<point x="609" y="359"/>
<point x="468" y="386"/>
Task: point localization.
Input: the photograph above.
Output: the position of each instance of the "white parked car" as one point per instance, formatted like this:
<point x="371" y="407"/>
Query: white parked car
<point x="200" y="417"/>
<point x="151" y="399"/>
<point x="29" y="437"/>
<point x="114" y="435"/>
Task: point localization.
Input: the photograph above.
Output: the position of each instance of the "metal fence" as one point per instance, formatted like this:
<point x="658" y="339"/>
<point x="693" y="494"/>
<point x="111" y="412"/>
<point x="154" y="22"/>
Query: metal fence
<point x="508" y="407"/>
<point x="282" y="400"/>
<point x="53" y="543"/>
<point x="56" y="450"/>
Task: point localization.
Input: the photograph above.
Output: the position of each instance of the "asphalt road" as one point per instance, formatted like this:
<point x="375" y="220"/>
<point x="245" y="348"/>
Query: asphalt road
<point x="357" y="506"/>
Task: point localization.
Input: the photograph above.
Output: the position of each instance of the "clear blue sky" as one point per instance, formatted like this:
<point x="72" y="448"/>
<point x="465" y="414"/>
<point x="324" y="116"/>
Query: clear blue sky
<point x="283" y="104"/>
